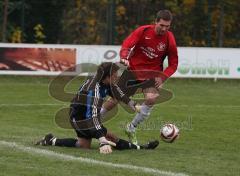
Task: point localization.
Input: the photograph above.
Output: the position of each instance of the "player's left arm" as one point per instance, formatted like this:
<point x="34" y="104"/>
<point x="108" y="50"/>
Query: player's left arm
<point x="172" y="62"/>
<point x="128" y="45"/>
<point x="172" y="54"/>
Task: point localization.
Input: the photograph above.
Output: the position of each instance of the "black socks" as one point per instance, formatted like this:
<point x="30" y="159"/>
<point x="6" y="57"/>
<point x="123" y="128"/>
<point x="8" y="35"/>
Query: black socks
<point x="123" y="145"/>
<point x="67" y="142"/>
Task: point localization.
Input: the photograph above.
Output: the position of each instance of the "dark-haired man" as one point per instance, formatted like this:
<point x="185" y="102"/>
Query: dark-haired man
<point x="144" y="51"/>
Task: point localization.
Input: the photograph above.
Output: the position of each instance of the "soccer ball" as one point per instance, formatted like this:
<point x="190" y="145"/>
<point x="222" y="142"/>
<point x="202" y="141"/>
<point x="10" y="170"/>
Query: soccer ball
<point x="169" y="133"/>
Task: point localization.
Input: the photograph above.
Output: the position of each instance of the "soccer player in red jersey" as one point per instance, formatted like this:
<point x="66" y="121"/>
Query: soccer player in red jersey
<point x="144" y="51"/>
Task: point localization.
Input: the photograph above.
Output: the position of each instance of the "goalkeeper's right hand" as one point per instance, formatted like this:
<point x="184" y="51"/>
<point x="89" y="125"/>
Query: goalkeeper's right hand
<point x="105" y="145"/>
<point x="105" y="149"/>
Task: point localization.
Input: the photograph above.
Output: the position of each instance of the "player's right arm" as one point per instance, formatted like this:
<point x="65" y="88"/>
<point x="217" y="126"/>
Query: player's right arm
<point x="128" y="45"/>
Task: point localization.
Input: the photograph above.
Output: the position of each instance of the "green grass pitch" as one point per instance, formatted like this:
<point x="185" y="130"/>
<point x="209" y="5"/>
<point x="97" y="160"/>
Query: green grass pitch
<point x="207" y="113"/>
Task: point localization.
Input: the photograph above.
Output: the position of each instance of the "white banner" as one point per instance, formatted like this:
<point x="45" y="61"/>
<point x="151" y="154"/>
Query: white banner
<point x="194" y="62"/>
<point x="208" y="62"/>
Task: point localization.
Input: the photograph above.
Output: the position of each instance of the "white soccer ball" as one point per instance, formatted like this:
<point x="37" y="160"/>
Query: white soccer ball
<point x="169" y="133"/>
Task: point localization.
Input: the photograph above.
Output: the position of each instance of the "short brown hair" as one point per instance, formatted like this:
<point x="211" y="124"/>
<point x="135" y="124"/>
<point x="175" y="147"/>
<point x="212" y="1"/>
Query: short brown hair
<point x="165" y="15"/>
<point x="107" y="69"/>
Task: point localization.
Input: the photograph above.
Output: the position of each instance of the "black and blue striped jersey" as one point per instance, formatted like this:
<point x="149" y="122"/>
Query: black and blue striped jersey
<point x="86" y="105"/>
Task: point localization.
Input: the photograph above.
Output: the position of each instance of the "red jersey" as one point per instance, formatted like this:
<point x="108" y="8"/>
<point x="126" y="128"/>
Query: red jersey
<point x="146" y="51"/>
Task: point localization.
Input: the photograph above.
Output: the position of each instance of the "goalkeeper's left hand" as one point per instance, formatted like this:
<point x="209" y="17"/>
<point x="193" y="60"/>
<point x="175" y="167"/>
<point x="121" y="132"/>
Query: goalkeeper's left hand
<point x="137" y="108"/>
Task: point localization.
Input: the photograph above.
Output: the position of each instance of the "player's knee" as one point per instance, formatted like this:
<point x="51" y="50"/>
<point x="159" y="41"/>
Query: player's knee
<point x="84" y="143"/>
<point x="151" y="98"/>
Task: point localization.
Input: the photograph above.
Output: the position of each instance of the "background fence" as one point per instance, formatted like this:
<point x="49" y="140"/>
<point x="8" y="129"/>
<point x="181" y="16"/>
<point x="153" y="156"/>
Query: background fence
<point x="202" y="23"/>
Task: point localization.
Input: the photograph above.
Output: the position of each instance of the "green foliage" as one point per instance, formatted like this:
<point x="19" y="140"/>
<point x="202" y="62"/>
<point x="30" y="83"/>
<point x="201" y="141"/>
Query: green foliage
<point x="39" y="34"/>
<point x="16" y="36"/>
<point x="196" y="22"/>
<point x="83" y="22"/>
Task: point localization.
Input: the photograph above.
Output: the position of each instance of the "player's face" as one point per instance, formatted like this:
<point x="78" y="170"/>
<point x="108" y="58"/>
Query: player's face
<point x="162" y="26"/>
<point x="113" y="78"/>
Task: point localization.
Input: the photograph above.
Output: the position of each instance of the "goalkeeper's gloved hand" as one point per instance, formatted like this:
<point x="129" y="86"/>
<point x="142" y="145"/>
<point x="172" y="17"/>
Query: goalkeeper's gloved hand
<point x="134" y="106"/>
<point x="105" y="149"/>
<point x="137" y="107"/>
<point x="105" y="145"/>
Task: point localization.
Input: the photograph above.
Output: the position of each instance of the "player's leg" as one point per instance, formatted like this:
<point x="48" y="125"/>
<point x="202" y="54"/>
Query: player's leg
<point x="122" y="144"/>
<point x="83" y="140"/>
<point x="150" y="95"/>
<point x="71" y="142"/>
<point x="49" y="140"/>
<point x="84" y="143"/>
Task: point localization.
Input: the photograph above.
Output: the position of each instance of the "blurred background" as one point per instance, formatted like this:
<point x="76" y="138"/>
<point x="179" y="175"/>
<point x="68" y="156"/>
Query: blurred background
<point x="202" y="23"/>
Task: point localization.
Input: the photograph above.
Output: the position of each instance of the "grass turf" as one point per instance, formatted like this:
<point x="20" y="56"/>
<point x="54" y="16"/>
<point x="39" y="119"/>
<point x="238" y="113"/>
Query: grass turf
<point x="206" y="112"/>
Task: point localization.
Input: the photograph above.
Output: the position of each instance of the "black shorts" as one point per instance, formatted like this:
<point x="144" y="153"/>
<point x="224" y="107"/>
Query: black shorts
<point x="88" y="134"/>
<point x="85" y="130"/>
<point x="129" y="85"/>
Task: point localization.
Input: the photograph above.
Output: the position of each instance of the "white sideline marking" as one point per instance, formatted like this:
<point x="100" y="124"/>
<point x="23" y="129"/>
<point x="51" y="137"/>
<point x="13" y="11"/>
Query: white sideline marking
<point x="204" y="106"/>
<point x="65" y="157"/>
<point x="31" y="104"/>
<point x="61" y="104"/>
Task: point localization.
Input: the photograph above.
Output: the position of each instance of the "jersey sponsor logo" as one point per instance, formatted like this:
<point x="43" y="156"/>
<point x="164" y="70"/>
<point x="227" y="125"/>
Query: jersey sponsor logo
<point x="161" y="46"/>
<point x="149" y="52"/>
<point x="150" y="49"/>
